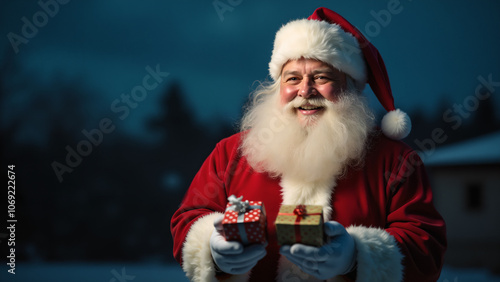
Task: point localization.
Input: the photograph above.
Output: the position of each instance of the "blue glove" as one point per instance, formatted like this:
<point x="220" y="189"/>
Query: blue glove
<point x="336" y="257"/>
<point x="230" y="256"/>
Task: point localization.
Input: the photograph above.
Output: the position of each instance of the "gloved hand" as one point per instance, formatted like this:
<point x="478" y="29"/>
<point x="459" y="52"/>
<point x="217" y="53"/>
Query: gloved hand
<point x="336" y="257"/>
<point x="230" y="256"/>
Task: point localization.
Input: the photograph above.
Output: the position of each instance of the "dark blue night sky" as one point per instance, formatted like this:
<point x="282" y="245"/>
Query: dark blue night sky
<point x="434" y="51"/>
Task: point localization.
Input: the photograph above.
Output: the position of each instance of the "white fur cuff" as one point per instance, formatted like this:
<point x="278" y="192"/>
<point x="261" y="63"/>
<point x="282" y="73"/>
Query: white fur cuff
<point x="196" y="256"/>
<point x="379" y="258"/>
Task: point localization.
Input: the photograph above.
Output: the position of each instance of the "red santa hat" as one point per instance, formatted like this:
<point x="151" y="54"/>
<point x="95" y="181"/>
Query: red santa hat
<point x="328" y="37"/>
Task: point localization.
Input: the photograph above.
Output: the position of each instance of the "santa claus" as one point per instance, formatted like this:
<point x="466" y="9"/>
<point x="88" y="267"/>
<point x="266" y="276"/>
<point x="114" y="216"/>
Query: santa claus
<point x="308" y="138"/>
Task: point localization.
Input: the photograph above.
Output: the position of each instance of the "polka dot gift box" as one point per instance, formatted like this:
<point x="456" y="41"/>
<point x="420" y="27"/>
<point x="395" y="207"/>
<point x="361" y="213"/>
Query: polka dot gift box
<point x="244" y="221"/>
<point x="300" y="224"/>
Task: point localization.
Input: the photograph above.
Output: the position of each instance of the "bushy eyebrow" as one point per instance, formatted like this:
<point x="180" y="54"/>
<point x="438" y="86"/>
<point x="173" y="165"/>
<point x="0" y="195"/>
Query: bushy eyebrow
<point x="290" y="72"/>
<point x="328" y="71"/>
<point x="314" y="72"/>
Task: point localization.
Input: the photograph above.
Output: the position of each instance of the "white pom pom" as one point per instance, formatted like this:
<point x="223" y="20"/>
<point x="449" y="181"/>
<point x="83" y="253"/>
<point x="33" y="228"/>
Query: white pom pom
<point x="396" y="124"/>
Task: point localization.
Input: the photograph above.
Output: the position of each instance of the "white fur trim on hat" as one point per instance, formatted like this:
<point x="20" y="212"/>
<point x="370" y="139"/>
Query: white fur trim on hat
<point x="396" y="124"/>
<point x="320" y="40"/>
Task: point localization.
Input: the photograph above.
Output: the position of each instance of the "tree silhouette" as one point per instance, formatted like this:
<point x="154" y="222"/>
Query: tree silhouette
<point x="484" y="119"/>
<point x="116" y="204"/>
<point x="176" y="123"/>
<point x="184" y="143"/>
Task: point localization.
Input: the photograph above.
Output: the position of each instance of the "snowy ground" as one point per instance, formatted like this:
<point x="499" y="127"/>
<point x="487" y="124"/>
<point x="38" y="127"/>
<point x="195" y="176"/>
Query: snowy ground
<point x="467" y="275"/>
<point x="84" y="272"/>
<point x="123" y="272"/>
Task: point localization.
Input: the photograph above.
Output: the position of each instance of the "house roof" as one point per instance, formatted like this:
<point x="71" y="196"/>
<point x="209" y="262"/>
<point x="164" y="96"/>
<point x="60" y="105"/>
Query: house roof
<point x="480" y="150"/>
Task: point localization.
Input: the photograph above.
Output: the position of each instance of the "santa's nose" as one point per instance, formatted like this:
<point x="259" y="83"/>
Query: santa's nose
<point x="306" y="89"/>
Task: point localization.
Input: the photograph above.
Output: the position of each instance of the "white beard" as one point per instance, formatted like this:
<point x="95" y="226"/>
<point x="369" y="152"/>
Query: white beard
<point x="310" y="153"/>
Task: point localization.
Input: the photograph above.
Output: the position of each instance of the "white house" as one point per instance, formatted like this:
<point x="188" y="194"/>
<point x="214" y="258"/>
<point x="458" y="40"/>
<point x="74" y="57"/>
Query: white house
<point x="465" y="178"/>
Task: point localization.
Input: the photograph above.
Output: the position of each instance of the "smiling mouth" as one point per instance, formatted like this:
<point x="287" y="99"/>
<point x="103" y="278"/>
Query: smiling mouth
<point x="309" y="108"/>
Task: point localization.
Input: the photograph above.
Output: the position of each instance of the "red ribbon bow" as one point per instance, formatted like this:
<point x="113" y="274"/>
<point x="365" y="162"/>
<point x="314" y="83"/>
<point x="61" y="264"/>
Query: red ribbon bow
<point x="300" y="210"/>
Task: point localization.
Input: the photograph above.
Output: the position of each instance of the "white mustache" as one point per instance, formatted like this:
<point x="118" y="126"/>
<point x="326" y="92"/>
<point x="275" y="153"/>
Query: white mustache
<point x="300" y="102"/>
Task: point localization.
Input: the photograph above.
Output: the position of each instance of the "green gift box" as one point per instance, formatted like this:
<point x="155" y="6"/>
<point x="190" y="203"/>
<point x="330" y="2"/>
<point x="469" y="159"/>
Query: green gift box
<point x="300" y="224"/>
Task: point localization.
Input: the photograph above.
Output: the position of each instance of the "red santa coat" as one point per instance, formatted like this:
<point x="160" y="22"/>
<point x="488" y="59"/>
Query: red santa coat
<point x="386" y="205"/>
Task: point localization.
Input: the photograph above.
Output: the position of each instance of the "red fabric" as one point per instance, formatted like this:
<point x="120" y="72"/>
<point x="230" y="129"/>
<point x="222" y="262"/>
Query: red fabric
<point x="389" y="191"/>
<point x="378" y="79"/>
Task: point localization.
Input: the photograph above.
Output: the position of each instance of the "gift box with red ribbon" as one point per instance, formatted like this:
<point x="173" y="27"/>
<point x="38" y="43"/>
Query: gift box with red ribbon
<point x="300" y="224"/>
<point x="244" y="221"/>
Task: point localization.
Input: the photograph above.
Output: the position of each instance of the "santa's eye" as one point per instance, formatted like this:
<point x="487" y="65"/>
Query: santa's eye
<point x="292" y="79"/>
<point x="321" y="77"/>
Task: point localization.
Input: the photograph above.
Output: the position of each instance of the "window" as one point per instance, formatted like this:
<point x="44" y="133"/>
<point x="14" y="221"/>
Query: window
<point x="474" y="196"/>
